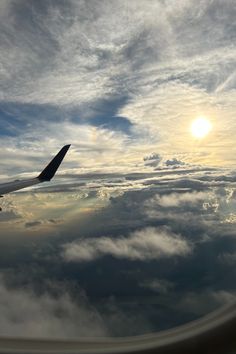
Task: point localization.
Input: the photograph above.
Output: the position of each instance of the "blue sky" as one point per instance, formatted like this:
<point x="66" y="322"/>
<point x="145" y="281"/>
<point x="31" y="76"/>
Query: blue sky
<point x="141" y="213"/>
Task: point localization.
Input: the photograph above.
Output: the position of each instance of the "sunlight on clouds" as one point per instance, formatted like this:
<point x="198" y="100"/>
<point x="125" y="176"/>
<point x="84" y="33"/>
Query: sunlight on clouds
<point x="231" y="219"/>
<point x="167" y="114"/>
<point x="160" y="74"/>
<point x="36" y="213"/>
<point x="92" y="149"/>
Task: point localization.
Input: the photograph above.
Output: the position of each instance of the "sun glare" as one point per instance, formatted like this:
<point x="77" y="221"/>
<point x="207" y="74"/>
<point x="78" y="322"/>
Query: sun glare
<point x="200" y="127"/>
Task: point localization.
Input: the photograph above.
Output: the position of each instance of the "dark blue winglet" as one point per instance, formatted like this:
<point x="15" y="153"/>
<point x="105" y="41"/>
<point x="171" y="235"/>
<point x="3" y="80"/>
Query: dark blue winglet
<point x="49" y="171"/>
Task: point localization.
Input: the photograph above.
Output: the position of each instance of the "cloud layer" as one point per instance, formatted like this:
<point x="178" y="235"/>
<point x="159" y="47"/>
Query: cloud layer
<point x="133" y="249"/>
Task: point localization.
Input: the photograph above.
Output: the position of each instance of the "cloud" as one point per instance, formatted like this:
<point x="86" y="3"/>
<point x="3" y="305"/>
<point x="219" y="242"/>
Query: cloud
<point x="174" y="162"/>
<point x="178" y="199"/>
<point x="118" y="89"/>
<point x="99" y="54"/>
<point x="163" y="197"/>
<point x="153" y="156"/>
<point x="146" y="244"/>
<point x="200" y="303"/>
<point x="138" y="257"/>
<point x="228" y="258"/>
<point x="161" y="286"/>
<point x="152" y="160"/>
<point x="46" y="316"/>
<point x="93" y="149"/>
<point x="119" y="80"/>
<point x="33" y="224"/>
<point x="6" y="216"/>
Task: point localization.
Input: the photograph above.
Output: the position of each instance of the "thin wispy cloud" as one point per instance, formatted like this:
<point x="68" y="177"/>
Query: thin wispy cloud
<point x="159" y="75"/>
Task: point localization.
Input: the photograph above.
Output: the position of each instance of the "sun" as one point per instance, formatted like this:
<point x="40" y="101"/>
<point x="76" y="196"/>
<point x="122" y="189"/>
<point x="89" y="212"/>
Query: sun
<point x="201" y="127"/>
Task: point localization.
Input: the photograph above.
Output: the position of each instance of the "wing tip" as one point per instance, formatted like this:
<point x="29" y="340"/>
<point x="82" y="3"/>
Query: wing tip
<point x="50" y="170"/>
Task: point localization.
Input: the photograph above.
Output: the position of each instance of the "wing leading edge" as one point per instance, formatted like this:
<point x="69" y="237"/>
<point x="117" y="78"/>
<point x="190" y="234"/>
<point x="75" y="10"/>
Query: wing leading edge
<point x="46" y="175"/>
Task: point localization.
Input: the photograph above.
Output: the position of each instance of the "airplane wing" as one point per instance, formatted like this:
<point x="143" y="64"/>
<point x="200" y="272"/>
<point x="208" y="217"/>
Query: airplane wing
<point x="46" y="175"/>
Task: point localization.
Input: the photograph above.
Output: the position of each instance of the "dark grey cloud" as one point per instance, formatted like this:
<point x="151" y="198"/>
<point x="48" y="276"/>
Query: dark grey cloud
<point x="8" y="215"/>
<point x="153" y="156"/>
<point x="174" y="162"/>
<point x="228" y="258"/>
<point x="33" y="223"/>
<point x="152" y="160"/>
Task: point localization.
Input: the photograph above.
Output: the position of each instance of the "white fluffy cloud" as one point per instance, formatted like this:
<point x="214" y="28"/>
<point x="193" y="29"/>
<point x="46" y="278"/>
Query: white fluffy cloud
<point x="177" y="199"/>
<point x="146" y="244"/>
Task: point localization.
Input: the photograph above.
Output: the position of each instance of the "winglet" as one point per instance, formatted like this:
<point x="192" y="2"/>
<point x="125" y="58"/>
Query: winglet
<point x="49" y="171"/>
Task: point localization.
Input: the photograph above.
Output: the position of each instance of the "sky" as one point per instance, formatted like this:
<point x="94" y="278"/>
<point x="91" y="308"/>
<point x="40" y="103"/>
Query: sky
<point x="136" y="233"/>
